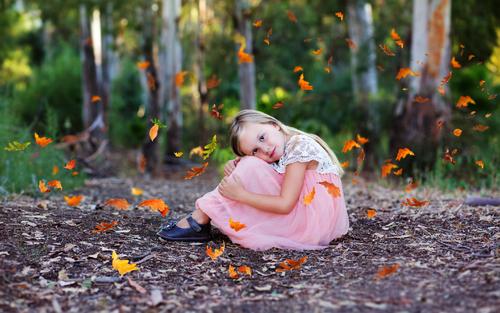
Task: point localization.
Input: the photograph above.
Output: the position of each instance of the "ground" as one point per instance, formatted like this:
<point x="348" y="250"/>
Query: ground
<point x="51" y="261"/>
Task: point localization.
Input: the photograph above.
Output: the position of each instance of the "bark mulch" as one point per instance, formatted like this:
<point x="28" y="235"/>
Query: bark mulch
<point x="51" y="261"/>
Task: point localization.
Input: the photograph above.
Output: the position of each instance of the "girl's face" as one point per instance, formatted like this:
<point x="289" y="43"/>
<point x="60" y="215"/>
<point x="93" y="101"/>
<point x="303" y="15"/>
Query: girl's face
<point x="265" y="141"/>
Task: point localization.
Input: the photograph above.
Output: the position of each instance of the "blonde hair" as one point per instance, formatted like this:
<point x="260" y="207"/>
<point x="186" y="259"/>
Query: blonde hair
<point x="253" y="116"/>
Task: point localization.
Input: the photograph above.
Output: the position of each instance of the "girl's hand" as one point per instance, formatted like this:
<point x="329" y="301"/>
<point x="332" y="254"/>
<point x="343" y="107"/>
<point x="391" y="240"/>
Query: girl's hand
<point x="230" y="166"/>
<point x="231" y="187"/>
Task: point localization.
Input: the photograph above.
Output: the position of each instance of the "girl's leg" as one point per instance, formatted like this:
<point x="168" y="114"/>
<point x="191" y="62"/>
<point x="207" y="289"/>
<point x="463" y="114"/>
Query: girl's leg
<point x="197" y="215"/>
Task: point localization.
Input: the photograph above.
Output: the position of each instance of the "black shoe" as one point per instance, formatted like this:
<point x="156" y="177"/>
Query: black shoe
<point x="196" y="232"/>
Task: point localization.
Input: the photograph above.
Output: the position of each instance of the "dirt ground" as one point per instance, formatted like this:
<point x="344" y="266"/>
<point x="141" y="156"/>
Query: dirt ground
<point x="51" y="261"/>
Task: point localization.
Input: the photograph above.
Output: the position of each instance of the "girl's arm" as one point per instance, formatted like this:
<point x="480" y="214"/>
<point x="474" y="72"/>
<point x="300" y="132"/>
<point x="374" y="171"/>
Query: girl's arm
<point x="290" y="192"/>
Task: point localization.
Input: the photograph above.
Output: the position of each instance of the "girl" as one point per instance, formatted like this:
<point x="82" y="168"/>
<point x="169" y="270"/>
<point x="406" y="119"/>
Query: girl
<point x="267" y="188"/>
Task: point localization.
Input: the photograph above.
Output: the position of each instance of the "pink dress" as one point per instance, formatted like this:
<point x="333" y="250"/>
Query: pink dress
<point x="306" y="227"/>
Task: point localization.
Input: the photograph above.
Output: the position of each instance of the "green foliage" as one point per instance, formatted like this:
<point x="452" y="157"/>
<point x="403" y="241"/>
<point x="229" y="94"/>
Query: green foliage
<point x="20" y="171"/>
<point x="127" y="124"/>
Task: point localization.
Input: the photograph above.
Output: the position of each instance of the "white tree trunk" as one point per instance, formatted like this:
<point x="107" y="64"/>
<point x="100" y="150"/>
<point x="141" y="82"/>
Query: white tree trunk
<point x="246" y="71"/>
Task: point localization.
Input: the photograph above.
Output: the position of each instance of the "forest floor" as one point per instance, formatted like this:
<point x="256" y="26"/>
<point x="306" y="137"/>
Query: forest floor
<point x="51" y="261"/>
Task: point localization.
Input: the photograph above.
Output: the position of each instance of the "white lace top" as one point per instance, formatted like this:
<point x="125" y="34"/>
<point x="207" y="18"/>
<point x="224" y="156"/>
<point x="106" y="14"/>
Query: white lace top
<point x="301" y="148"/>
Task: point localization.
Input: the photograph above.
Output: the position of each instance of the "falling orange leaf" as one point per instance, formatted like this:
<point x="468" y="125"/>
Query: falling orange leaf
<point x="414" y="202"/>
<point x="440" y="89"/>
<point x="103" y="226"/>
<point x="70" y="165"/>
<point x="215" y="112"/>
<point x="396" y="38"/>
<point x="214" y="254"/>
<point x="213" y="82"/>
<point x="361" y="140"/>
<point x="446" y="78"/>
<point x="405" y="71"/>
<point x="42" y="141"/>
<point x="55" y="170"/>
<point x="196" y="171"/>
<point x="298" y="69"/>
<point x="55" y="184"/>
<point x="95" y="99"/>
<point x="143" y="65"/>
<point x="349" y="144"/>
<point x="386" y="271"/>
<point x="327" y="69"/>
<point x="370" y="213"/>
<point x="122" y="266"/>
<point x="153" y="131"/>
<point x="179" y="78"/>
<point x="448" y="157"/>
<point x="304" y="84"/>
<point x="291" y="16"/>
<point x="244" y="57"/>
<point x="403" y="153"/>
<point x="398" y="172"/>
<point x="74" y="173"/>
<point x="344" y="164"/>
<point x="117" y="203"/>
<point x="386" y="50"/>
<point x="237" y="226"/>
<point x="257" y="23"/>
<point x="340" y="15"/>
<point x="135" y="191"/>
<point x="480" y="128"/>
<point x="42" y="187"/>
<point x="317" y="52"/>
<point x="480" y="163"/>
<point x="481" y="82"/>
<point x="245" y="270"/>
<point x="278" y="105"/>
<point x="463" y="101"/>
<point x="197" y="151"/>
<point x="74" y="200"/>
<point x="331" y="188"/>
<point x="290" y="264"/>
<point x="310" y="196"/>
<point x="457" y="132"/>
<point x="421" y="99"/>
<point x="156" y="205"/>
<point x="454" y="63"/>
<point x="387" y="168"/>
<point x="350" y="43"/>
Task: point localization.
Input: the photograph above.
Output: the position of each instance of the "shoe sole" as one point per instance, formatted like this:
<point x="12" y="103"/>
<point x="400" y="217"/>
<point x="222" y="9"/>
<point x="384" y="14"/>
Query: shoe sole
<point x="184" y="239"/>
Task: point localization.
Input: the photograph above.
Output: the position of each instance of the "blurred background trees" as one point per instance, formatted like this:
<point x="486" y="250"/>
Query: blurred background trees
<point x="117" y="65"/>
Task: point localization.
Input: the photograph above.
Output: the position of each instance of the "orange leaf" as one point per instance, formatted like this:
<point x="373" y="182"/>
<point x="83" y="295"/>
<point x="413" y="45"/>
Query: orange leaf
<point x="403" y="153"/>
<point x="361" y="140"/>
<point x="304" y="84"/>
<point x="340" y="15"/>
<point x="397" y="39"/>
<point x="95" y="99"/>
<point x="480" y="163"/>
<point x="332" y="189"/>
<point x="414" y="202"/>
<point x="446" y="78"/>
<point x="317" y="52"/>
<point x="237" y="226"/>
<point x="74" y="200"/>
<point x="309" y="197"/>
<point x="42" y="187"/>
<point x="121" y="204"/>
<point x="398" y="172"/>
<point x="481" y="82"/>
<point x="216" y="253"/>
<point x="215" y="111"/>
<point x="386" y="50"/>
<point x="153" y="131"/>
<point x="350" y="43"/>
<point x="327" y="69"/>
<point x="457" y="132"/>
<point x="232" y="272"/>
<point x="370" y="213"/>
<point x="291" y="16"/>
<point x="103" y="226"/>
<point x="278" y="105"/>
<point x="257" y="23"/>
<point x="74" y="173"/>
<point x="454" y="63"/>
<point x="290" y="264"/>
<point x="213" y="82"/>
<point x="387" y="168"/>
<point x="179" y="78"/>
<point x="387" y="270"/>
<point x="480" y="128"/>
<point x="42" y="141"/>
<point x="244" y="57"/>
<point x="349" y="144"/>
<point x="55" y="184"/>
<point x="143" y="65"/>
<point x="405" y="71"/>
<point x="440" y="89"/>
<point x="421" y="99"/>
<point x="297" y="69"/>
<point x="196" y="171"/>
<point x="245" y="270"/>
<point x="156" y="205"/>
<point x="463" y="101"/>
<point x="344" y="164"/>
<point x="70" y="165"/>
<point x="55" y="170"/>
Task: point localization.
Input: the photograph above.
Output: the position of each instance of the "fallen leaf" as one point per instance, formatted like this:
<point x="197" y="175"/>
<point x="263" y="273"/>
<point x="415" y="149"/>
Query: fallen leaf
<point x="317" y="52"/>
<point x="350" y="44"/>
<point x="278" y="105"/>
<point x="290" y="264"/>
<point x="120" y="204"/>
<point x="103" y="226"/>
<point x="178" y="154"/>
<point x="370" y="213"/>
<point x="74" y="200"/>
<point x="414" y="202"/>
<point x="42" y="187"/>
<point x="156" y="205"/>
<point x="232" y="273"/>
<point x="245" y="270"/>
<point x="386" y="271"/>
<point x="421" y="99"/>
<point x="55" y="170"/>
<point x="122" y="266"/>
<point x="214" y="254"/>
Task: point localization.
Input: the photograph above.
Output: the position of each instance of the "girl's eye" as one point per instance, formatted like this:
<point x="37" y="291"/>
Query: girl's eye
<point x="261" y="138"/>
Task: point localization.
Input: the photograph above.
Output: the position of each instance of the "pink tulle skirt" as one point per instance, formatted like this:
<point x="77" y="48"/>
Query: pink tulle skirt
<point x="306" y="227"/>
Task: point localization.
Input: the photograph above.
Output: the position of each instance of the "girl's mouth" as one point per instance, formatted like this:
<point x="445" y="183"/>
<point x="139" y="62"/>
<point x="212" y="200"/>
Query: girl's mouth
<point x="272" y="153"/>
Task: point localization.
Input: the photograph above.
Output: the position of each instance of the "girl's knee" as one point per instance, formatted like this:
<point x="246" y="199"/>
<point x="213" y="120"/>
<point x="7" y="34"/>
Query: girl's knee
<point x="252" y="161"/>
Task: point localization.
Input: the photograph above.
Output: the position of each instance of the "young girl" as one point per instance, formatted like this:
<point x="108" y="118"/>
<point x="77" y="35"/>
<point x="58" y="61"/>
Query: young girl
<point x="265" y="188"/>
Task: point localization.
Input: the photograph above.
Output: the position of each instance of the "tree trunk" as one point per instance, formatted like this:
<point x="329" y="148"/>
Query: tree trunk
<point x="364" y="76"/>
<point x="92" y="111"/>
<point x="173" y="64"/>
<point x="246" y="71"/>
<point x="199" y="66"/>
<point x="416" y="124"/>
<point x="150" y="148"/>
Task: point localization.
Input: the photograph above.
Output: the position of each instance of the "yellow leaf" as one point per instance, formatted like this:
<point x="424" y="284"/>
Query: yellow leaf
<point x="122" y="266"/>
<point x="135" y="191"/>
<point x="214" y="254"/>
